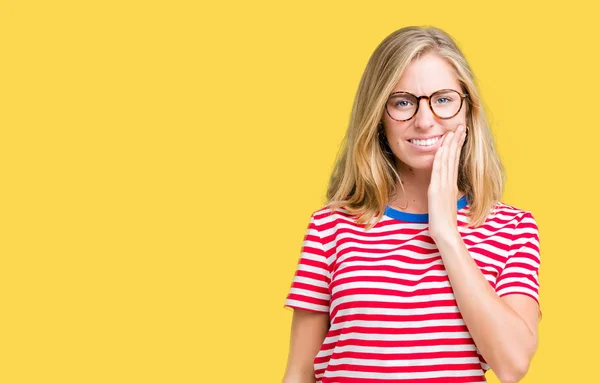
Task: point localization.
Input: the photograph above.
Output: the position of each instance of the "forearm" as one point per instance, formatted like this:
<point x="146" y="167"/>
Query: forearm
<point x="501" y="335"/>
<point x="307" y="334"/>
<point x="308" y="377"/>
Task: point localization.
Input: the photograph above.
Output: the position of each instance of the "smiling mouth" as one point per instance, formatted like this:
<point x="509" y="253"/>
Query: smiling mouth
<point x="425" y="143"/>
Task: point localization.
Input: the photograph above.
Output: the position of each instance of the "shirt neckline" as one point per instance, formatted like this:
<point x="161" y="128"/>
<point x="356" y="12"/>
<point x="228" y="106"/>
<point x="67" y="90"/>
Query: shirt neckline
<point x="418" y="218"/>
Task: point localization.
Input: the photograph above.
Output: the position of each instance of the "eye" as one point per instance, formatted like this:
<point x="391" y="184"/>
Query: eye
<point x="443" y="100"/>
<point x="402" y="103"/>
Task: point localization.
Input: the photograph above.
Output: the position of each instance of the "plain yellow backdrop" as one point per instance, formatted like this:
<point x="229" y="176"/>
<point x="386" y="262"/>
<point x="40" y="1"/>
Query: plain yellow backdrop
<point x="160" y="161"/>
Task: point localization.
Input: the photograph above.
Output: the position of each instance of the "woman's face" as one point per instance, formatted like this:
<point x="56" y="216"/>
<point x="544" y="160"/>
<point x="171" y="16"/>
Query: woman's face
<point x="421" y="78"/>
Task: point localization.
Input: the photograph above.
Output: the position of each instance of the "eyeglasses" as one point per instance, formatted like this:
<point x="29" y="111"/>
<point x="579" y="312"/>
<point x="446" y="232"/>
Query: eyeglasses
<point x="444" y="103"/>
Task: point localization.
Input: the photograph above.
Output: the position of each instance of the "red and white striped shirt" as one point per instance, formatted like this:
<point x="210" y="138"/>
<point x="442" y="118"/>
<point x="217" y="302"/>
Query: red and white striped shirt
<point x="392" y="312"/>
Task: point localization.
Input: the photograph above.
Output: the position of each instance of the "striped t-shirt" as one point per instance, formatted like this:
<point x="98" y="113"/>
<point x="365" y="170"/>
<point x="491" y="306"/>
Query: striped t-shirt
<point x="392" y="312"/>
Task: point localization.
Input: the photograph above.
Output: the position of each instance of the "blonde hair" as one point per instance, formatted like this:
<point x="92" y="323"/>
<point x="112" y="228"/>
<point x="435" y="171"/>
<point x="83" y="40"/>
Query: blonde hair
<point x="364" y="175"/>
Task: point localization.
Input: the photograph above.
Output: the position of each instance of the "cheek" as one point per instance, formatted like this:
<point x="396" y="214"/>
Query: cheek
<point x="459" y="119"/>
<point x="395" y="136"/>
<point x="463" y="115"/>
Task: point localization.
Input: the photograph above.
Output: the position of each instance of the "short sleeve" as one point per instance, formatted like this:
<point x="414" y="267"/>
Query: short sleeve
<point x="521" y="272"/>
<point x="310" y="285"/>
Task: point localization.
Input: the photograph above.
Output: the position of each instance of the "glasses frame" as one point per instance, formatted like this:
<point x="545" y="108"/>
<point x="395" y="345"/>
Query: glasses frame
<point x="428" y="98"/>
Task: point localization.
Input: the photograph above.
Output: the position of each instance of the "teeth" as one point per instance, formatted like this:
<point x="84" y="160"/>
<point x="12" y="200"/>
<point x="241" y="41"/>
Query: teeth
<point x="428" y="142"/>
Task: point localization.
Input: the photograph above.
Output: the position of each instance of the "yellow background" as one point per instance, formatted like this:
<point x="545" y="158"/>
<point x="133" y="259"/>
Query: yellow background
<point x="160" y="161"/>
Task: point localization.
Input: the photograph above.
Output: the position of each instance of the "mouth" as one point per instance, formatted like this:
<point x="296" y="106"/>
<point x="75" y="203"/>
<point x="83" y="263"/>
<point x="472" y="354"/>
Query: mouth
<point x="427" y="144"/>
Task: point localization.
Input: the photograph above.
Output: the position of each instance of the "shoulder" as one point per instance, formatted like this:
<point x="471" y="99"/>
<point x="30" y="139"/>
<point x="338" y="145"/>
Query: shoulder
<point x="518" y="224"/>
<point x="325" y="215"/>
<point x="505" y="223"/>
<point x="331" y="223"/>
<point x="511" y="215"/>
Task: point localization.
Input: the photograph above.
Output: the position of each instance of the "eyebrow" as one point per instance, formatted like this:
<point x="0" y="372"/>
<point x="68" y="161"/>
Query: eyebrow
<point x="406" y="91"/>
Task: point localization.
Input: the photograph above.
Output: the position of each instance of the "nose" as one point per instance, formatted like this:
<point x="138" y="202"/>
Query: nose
<point x="424" y="119"/>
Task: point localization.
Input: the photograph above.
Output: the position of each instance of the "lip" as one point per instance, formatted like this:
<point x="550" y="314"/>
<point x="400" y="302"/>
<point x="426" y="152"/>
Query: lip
<point x="426" y="137"/>
<point x="433" y="147"/>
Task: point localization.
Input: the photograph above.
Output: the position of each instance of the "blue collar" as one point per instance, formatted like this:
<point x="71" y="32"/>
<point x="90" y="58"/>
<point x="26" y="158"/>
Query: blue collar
<point x="418" y="218"/>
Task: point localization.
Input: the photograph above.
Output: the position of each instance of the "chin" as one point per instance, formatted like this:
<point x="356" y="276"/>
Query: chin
<point x="424" y="163"/>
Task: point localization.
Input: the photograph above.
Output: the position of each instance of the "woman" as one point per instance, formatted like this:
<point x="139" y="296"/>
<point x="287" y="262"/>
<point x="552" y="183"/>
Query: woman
<point x="415" y="271"/>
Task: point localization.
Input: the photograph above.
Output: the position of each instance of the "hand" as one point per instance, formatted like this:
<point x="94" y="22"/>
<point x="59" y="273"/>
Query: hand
<point x="443" y="187"/>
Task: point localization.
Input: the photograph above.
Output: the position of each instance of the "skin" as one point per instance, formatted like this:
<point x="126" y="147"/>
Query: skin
<point x="503" y="328"/>
<point x="308" y="332"/>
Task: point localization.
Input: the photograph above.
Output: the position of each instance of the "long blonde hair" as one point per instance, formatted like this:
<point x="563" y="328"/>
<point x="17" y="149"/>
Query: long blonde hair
<point x="364" y="176"/>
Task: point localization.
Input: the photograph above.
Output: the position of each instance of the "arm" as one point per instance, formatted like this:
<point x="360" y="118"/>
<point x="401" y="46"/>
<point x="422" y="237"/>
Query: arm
<point x="310" y="298"/>
<point x="503" y="328"/>
<point x="309" y="329"/>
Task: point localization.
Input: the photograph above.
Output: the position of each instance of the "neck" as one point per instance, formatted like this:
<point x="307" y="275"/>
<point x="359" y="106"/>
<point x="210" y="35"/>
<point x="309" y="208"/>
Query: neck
<point x="413" y="199"/>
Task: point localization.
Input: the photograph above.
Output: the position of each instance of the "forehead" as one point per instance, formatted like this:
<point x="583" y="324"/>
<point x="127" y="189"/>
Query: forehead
<point x="426" y="75"/>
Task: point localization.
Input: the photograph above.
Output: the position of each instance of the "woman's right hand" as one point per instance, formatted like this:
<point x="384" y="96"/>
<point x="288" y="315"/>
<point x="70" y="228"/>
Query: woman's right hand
<point x="309" y="329"/>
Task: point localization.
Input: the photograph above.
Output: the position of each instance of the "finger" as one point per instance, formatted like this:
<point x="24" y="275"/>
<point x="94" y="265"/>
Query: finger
<point x="459" y="152"/>
<point x="455" y="155"/>
<point x="442" y="141"/>
<point x="444" y="160"/>
<point x="451" y="164"/>
<point x="435" y="171"/>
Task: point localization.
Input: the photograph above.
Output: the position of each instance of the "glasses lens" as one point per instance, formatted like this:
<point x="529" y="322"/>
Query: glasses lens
<point x="446" y="103"/>
<point x="401" y="106"/>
